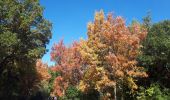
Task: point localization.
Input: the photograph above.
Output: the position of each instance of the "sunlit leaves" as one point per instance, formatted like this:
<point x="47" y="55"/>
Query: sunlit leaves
<point x="103" y="62"/>
<point x="42" y="71"/>
<point x="24" y="33"/>
<point x="68" y="62"/>
<point x="111" y="54"/>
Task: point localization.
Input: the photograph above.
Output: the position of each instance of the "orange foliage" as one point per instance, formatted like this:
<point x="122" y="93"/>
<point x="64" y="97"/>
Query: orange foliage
<point x="42" y="70"/>
<point x="110" y="53"/>
<point x="68" y="62"/>
<point x="106" y="59"/>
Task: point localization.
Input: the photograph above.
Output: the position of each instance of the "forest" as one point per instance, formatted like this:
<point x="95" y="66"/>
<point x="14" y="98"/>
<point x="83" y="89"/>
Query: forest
<point x="117" y="61"/>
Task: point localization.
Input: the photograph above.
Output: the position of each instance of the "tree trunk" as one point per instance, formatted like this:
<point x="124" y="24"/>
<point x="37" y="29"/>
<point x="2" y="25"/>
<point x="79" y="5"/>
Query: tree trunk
<point x="115" y="93"/>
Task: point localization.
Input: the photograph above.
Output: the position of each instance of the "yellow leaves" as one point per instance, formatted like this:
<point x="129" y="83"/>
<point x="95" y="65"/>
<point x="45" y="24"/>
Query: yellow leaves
<point x="99" y="16"/>
<point x="90" y="28"/>
<point x="131" y="83"/>
<point x="111" y="51"/>
<point x="100" y="69"/>
<point x="88" y="55"/>
<point x="107" y="58"/>
<point x="104" y="82"/>
<point x="82" y="86"/>
<point x="95" y="76"/>
<point x="89" y="79"/>
<point x="92" y="74"/>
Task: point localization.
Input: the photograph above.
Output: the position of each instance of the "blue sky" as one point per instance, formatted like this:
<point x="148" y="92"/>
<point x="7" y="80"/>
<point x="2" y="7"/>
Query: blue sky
<point x="70" y="17"/>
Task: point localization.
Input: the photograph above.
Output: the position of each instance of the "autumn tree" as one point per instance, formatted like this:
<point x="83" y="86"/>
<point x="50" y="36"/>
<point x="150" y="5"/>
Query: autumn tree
<point x="42" y="71"/>
<point x="110" y="54"/>
<point x="24" y="33"/>
<point x="41" y="87"/>
<point x="67" y="64"/>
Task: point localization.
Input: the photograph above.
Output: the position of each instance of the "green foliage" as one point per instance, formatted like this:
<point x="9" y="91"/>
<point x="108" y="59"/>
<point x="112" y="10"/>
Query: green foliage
<point x="51" y="81"/>
<point x="91" y="95"/>
<point x="24" y="34"/>
<point x="147" y="21"/>
<point x="155" y="58"/>
<point x="154" y="92"/>
<point x="72" y="92"/>
<point x="42" y="93"/>
<point x="156" y="53"/>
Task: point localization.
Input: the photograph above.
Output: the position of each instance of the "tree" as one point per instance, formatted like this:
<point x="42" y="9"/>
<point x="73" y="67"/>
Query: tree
<point x="41" y="87"/>
<point x="156" y="54"/>
<point x="147" y="21"/>
<point x="67" y="64"/>
<point x="24" y="34"/>
<point x="154" y="92"/>
<point x="110" y="54"/>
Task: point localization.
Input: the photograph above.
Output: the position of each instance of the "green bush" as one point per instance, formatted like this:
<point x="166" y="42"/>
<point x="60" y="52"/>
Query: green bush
<point x="154" y="92"/>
